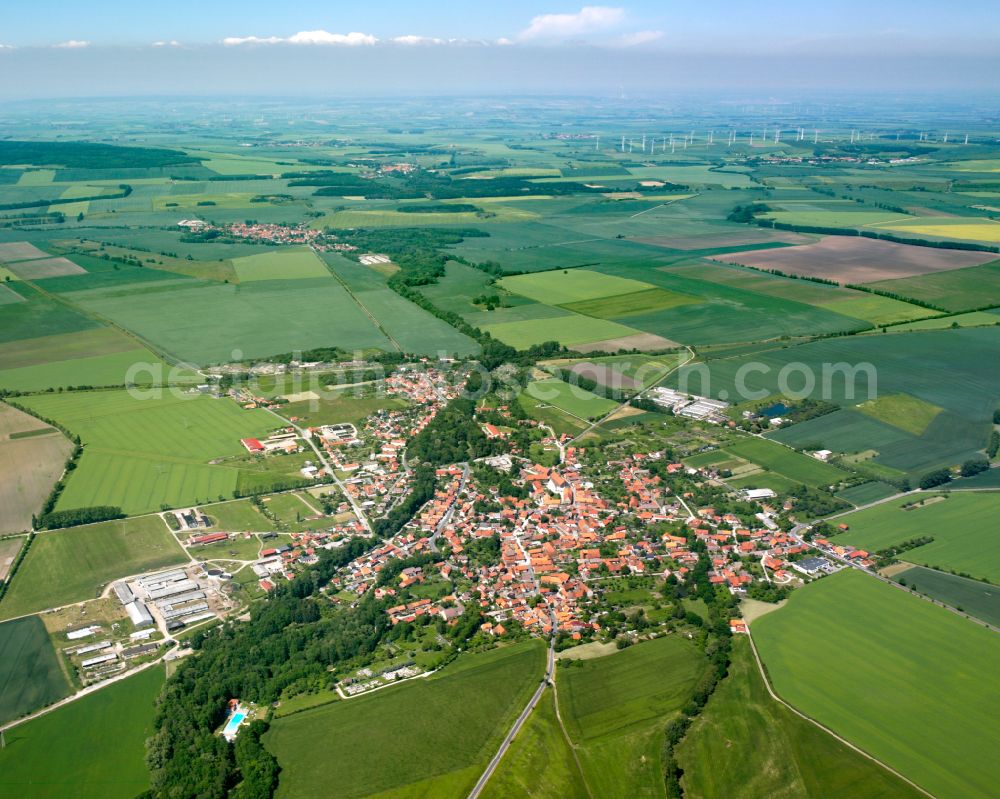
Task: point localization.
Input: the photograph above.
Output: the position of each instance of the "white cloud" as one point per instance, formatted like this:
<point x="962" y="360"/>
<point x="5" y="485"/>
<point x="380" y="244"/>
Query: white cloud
<point x="415" y="40"/>
<point x="233" y="41"/>
<point x="72" y="44"/>
<point x="637" y="38"/>
<point x="588" y="19"/>
<point x="6" y="47"/>
<point x="171" y="43"/>
<point x="352" y="39"/>
<point x="503" y="41"/>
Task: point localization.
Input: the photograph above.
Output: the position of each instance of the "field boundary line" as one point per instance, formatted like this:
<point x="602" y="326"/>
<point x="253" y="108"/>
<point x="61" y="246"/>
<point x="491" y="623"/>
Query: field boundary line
<point x="106" y="322"/>
<point x="361" y="305"/>
<point x="565" y="732"/>
<point x="664" y="205"/>
<point x="800" y="714"/>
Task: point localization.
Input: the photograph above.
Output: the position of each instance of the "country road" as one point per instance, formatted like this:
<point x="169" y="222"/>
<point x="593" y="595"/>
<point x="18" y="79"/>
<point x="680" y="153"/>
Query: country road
<point x="795" y="533"/>
<point x="322" y="459"/>
<point x="549" y="677"/>
<point x="97" y="686"/>
<point x="654" y="384"/>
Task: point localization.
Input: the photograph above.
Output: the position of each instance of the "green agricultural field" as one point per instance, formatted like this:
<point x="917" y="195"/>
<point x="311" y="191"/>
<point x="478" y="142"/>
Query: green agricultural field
<point x="847" y="302"/>
<point x="877" y="310"/>
<point x="988" y="479"/>
<point x="388" y="217"/>
<point x="238" y="516"/>
<point x="951" y="376"/>
<point x="30" y="674"/>
<point x="972" y="319"/>
<point x="836" y="218"/>
<point x="615" y="708"/>
<point x="72" y="565"/>
<point x="39" y="316"/>
<point x="686" y="175"/>
<point x="329" y="750"/>
<point x="142" y="453"/>
<point x="719" y="458"/>
<point x="47" y="349"/>
<point x="93" y="748"/>
<point x="7" y="294"/>
<point x="760" y="305"/>
<point x="341" y="406"/>
<point x="867" y="492"/>
<point x="786" y="462"/>
<point x="974" y="597"/>
<point x="776" y="482"/>
<point x="540" y="762"/>
<point x="901" y="410"/>
<point x="567" y="330"/>
<point x="983" y="231"/>
<point x="99" y="370"/>
<point x="572" y="399"/>
<point x="963" y="526"/>
<point x="413" y="328"/>
<point x="791" y="757"/>
<point x="954" y="289"/>
<point x="566" y="286"/>
<point x="633" y="371"/>
<point x="560" y="421"/>
<point x="845" y="430"/>
<point x="623" y="305"/>
<point x="238" y="548"/>
<point x="280" y="264"/>
<point x="460" y="285"/>
<point x="905" y="680"/>
<point x="206" y="323"/>
<point x="524" y="310"/>
<point x="140" y="483"/>
<point x="36" y="177"/>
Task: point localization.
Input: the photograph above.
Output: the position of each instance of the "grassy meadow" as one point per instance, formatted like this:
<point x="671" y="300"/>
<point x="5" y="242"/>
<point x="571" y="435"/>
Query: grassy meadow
<point x="72" y="565"/>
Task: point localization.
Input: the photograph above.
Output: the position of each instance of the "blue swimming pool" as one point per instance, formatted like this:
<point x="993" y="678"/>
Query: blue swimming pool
<point x="234" y="722"/>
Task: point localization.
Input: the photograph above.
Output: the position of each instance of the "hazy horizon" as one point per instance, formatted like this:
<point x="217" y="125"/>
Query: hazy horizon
<point x="112" y="49"/>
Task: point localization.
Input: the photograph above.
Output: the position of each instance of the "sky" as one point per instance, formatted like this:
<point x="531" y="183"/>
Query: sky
<point x="120" y="47"/>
